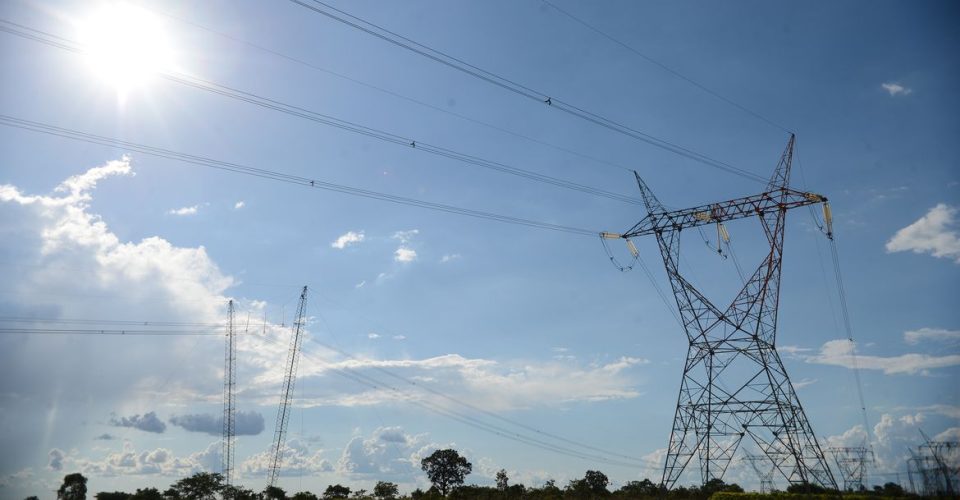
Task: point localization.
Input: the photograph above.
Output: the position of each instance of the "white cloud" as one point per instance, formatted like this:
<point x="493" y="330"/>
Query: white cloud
<point x="405" y="236"/>
<point x="399" y="337"/>
<point x="240" y="204"/>
<point x="361" y="284"/>
<point x="483" y="382"/>
<point x="297" y="460"/>
<point x="404" y="254"/>
<point x="800" y="384"/>
<point x="160" y="461"/>
<point x="938" y="334"/>
<point x="450" y="257"/>
<point x="895" y="89"/>
<point x="373" y="335"/>
<point x="934" y="233"/>
<point x="841" y="353"/>
<point x="389" y="452"/>
<point x="69" y="264"/>
<point x="191" y="210"/>
<point x="347" y="239"/>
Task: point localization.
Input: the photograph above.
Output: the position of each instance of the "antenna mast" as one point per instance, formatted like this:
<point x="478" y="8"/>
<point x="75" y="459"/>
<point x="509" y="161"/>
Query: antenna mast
<point x="283" y="414"/>
<point x="229" y="386"/>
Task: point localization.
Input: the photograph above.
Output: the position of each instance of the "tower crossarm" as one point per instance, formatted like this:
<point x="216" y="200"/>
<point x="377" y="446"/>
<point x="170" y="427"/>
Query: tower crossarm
<point x="677" y="220"/>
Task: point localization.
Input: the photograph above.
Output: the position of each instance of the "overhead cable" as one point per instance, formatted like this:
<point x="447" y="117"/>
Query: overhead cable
<point x="11" y="121"/>
<point x="666" y="68"/>
<point x="300" y="112"/>
<point x="398" y="95"/>
<point x="517" y="88"/>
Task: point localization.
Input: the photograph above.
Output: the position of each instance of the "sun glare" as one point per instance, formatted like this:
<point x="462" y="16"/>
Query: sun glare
<point x="125" y="45"/>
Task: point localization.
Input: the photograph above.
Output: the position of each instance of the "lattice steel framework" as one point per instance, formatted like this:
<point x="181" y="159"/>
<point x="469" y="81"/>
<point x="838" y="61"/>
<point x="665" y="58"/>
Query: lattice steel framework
<point x="229" y="388"/>
<point x="764" y="469"/>
<point x="283" y="413"/>
<point x="734" y="384"/>
<point x="933" y="470"/>
<point x="852" y="462"/>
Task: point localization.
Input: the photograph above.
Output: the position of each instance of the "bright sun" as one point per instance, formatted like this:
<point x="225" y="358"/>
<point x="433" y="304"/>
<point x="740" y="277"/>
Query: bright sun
<point x="125" y="45"/>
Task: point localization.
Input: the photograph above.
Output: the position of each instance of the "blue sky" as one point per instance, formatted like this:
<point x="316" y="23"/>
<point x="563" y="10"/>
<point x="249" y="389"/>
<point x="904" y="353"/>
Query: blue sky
<point x="530" y="324"/>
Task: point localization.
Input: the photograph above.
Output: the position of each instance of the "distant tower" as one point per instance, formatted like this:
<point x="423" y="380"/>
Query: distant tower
<point x="764" y="469"/>
<point x="283" y="413"/>
<point x="852" y="462"/>
<point x="734" y="384"/>
<point x="229" y="386"/>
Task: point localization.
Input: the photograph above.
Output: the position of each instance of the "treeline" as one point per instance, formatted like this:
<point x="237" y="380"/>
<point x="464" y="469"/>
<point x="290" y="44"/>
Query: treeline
<point x="447" y="470"/>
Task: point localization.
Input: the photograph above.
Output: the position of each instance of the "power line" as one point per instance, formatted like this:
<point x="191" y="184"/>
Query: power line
<point x="300" y="112"/>
<point x="667" y="68"/>
<point x="39" y="127"/>
<point x="474" y="407"/>
<point x="110" y="332"/>
<point x="65" y="321"/>
<point x="392" y="93"/>
<point x="517" y="88"/>
<point x="376" y="384"/>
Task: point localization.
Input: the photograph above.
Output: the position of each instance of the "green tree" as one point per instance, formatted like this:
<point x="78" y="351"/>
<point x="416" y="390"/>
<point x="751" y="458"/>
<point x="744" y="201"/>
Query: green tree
<point x="385" y="490"/>
<point x="336" y="491"/>
<point x="200" y="486"/>
<point x="635" y="489"/>
<point x="304" y="495"/>
<point x="274" y="493"/>
<point x="112" y="495"/>
<point x="146" y="494"/>
<point x="234" y="492"/>
<point x="31" y="497"/>
<point x="445" y="469"/>
<point x="74" y="487"/>
<point x="503" y="482"/>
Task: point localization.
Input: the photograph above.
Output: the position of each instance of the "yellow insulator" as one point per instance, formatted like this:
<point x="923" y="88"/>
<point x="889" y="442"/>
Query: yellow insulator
<point x="610" y="236"/>
<point x="633" y="248"/>
<point x="723" y="232"/>
<point x="704" y="216"/>
<point x="813" y="196"/>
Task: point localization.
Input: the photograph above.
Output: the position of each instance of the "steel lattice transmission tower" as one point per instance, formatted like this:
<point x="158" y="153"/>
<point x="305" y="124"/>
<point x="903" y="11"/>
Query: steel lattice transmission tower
<point x="734" y="384"/>
<point x="762" y="466"/>
<point x="852" y="462"/>
<point x="229" y="388"/>
<point x="283" y="413"/>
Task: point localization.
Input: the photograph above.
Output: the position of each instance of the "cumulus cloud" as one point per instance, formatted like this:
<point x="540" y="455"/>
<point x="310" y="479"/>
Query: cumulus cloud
<point x="65" y="262"/>
<point x="934" y="233"/>
<point x="297" y="460"/>
<point x="449" y="257"/>
<point x="895" y="89"/>
<point x="841" y="353"/>
<point x="148" y="422"/>
<point x="488" y="383"/>
<point x="388" y="452"/>
<point x="347" y="239"/>
<point x="159" y="461"/>
<point x="191" y="210"/>
<point x="55" y="459"/>
<point x="937" y="334"/>
<point x="246" y="423"/>
<point x="240" y="204"/>
<point x="404" y="254"/>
